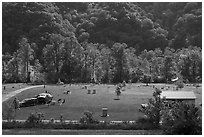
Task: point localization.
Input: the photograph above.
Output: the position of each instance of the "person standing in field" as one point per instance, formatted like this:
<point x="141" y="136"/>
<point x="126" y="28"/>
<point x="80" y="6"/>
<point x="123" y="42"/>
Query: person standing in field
<point x="16" y="103"/>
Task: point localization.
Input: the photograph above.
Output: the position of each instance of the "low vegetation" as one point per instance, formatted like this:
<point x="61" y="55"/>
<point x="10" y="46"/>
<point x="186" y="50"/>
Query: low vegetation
<point x="174" y="117"/>
<point x="177" y="119"/>
<point x="180" y="118"/>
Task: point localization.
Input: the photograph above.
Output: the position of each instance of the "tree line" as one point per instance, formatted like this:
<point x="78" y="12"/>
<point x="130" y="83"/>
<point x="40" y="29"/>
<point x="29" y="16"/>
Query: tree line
<point x="101" y="42"/>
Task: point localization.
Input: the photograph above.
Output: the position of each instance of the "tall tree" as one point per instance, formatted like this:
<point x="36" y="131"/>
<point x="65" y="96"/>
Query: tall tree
<point x="12" y="72"/>
<point x="94" y="55"/>
<point x="26" y="54"/>
<point x="107" y="64"/>
<point x="118" y="52"/>
<point x="189" y="63"/>
<point x="169" y="66"/>
<point x="72" y="60"/>
<point x="132" y="63"/>
<point x="53" y="55"/>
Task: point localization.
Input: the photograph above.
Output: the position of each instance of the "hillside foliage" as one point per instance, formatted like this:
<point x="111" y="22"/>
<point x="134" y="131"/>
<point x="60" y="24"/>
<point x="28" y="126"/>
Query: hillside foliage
<point x="101" y="42"/>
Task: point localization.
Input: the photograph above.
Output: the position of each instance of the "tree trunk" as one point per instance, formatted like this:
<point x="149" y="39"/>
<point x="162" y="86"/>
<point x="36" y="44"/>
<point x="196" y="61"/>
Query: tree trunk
<point x="94" y="72"/>
<point x="194" y="72"/>
<point x="27" y="72"/>
<point x="85" y="68"/>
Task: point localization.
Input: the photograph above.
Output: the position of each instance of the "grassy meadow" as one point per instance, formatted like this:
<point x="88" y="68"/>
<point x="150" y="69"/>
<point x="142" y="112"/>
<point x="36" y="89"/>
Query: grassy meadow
<point x="127" y="108"/>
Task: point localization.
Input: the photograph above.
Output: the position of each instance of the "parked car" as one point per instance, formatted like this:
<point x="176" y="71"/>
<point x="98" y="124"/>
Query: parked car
<point x="41" y="98"/>
<point x="44" y="98"/>
<point x="28" y="102"/>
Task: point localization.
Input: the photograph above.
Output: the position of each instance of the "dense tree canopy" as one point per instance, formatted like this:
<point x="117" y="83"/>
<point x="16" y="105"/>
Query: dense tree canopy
<point x="102" y="42"/>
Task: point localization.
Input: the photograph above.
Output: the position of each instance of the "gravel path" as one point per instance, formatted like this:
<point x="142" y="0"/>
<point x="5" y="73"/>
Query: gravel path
<point x="13" y="93"/>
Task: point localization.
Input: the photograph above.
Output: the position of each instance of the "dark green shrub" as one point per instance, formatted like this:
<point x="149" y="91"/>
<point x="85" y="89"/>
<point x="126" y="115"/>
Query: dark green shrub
<point x="147" y="79"/>
<point x="182" y="118"/>
<point x="12" y="125"/>
<point x="118" y="90"/>
<point x="158" y="79"/>
<point x="34" y="119"/>
<point x="180" y="84"/>
<point x="144" y="123"/>
<point x="92" y="126"/>
<point x="87" y="118"/>
<point x="143" y="120"/>
<point x="154" y="108"/>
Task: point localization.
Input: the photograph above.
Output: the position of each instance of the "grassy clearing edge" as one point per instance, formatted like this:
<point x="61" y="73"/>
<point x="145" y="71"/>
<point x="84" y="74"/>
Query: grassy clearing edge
<point x="79" y="132"/>
<point x="78" y="126"/>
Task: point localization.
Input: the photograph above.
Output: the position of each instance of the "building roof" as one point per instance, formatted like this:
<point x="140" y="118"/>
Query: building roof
<point x="178" y="95"/>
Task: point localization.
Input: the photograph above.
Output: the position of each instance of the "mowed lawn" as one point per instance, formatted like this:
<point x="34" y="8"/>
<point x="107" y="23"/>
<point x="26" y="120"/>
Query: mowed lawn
<point x="127" y="108"/>
<point x="12" y="87"/>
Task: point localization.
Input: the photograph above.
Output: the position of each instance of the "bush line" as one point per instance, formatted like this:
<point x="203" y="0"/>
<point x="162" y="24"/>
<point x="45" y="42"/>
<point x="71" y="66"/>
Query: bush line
<point x="106" y="125"/>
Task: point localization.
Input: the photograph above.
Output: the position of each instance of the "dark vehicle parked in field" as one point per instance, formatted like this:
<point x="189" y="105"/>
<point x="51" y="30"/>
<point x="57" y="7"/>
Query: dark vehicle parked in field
<point x="42" y="98"/>
<point x="28" y="102"/>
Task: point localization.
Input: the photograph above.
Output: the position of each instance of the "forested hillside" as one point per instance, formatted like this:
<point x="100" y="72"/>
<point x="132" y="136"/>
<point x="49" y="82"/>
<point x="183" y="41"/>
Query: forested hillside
<point x="101" y="42"/>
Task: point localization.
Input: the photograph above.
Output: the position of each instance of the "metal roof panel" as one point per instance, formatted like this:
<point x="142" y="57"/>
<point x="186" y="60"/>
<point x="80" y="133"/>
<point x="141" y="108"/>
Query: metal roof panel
<point x="178" y="95"/>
